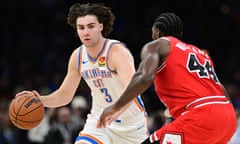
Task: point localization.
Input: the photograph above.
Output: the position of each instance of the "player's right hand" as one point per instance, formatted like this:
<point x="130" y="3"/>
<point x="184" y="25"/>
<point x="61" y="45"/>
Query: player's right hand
<point x="36" y="93"/>
<point x="25" y="92"/>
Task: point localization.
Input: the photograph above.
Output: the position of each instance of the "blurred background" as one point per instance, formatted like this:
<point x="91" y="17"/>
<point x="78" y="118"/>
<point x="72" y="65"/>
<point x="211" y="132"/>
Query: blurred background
<point x="36" y="43"/>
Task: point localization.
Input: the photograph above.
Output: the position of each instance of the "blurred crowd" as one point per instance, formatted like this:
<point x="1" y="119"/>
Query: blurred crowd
<point x="36" y="43"/>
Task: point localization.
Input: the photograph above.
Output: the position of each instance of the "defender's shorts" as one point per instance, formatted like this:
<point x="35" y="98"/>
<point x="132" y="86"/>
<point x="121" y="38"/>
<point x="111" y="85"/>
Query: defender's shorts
<point x="209" y="124"/>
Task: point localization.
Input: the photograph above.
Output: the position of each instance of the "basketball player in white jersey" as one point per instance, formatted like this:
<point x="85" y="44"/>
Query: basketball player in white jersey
<point x="107" y="66"/>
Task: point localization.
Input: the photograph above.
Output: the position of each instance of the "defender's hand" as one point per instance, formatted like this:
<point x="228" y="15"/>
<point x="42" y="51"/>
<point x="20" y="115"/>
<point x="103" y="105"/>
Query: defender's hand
<point x="108" y="115"/>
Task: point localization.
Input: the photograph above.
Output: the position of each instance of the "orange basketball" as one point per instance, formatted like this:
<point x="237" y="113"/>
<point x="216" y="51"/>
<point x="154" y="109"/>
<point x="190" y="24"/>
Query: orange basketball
<point x="26" y="111"/>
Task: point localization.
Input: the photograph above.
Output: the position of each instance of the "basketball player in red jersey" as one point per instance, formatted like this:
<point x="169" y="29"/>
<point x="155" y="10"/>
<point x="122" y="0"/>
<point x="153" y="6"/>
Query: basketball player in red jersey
<point x="185" y="81"/>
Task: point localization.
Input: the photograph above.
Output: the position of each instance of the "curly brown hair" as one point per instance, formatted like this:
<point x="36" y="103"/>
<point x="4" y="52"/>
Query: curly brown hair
<point x="103" y="14"/>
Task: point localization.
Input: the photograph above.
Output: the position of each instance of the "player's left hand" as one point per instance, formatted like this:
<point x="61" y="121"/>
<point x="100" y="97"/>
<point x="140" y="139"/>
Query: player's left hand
<point x="108" y="115"/>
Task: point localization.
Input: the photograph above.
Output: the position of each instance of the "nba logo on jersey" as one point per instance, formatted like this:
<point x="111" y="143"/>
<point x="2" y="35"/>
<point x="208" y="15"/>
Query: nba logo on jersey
<point x="102" y="61"/>
<point x="172" y="139"/>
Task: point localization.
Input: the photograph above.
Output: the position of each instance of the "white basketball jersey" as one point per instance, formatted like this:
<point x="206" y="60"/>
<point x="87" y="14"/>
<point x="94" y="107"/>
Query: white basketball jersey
<point x="104" y="83"/>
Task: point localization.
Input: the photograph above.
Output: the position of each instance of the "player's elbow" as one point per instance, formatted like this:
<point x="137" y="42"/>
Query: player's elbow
<point x="147" y="79"/>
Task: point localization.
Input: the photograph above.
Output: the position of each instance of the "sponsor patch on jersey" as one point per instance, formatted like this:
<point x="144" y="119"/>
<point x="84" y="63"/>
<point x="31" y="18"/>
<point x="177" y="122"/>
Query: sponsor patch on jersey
<point x="102" y="61"/>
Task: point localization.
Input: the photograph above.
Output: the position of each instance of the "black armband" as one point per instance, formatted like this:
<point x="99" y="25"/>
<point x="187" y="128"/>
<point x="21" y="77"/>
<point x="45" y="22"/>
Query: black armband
<point x="147" y="141"/>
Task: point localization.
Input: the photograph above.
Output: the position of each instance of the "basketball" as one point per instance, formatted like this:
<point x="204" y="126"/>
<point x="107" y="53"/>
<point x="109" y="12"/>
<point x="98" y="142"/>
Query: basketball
<point x="26" y="111"/>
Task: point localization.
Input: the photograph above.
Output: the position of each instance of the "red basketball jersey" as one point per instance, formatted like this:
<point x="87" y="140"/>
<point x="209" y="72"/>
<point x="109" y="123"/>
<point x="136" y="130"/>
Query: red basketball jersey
<point x="186" y="75"/>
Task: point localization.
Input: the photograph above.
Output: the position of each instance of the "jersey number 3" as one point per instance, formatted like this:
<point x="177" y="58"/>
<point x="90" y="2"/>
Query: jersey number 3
<point x="203" y="71"/>
<point x="108" y="97"/>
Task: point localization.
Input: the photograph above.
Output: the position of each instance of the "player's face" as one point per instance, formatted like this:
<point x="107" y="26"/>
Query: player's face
<point x="155" y="33"/>
<point x="89" y="30"/>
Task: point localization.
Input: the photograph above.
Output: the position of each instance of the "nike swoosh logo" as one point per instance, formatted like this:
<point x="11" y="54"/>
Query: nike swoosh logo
<point x="84" y="62"/>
